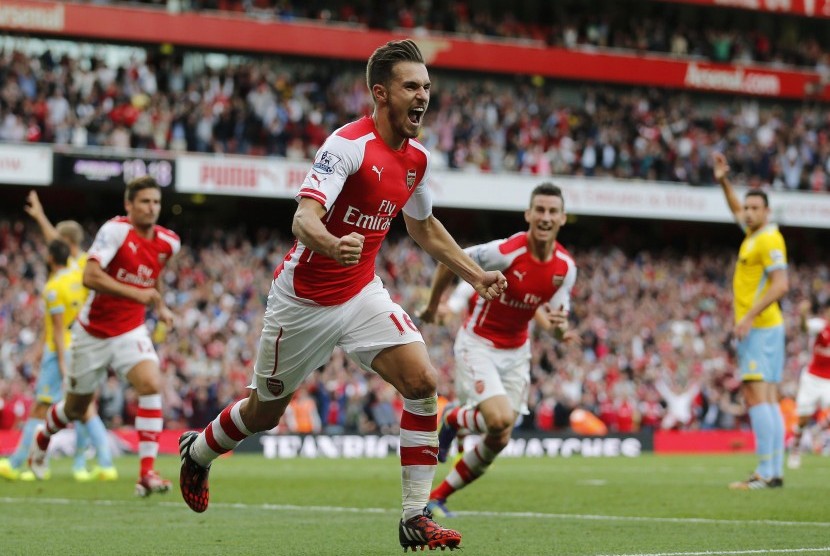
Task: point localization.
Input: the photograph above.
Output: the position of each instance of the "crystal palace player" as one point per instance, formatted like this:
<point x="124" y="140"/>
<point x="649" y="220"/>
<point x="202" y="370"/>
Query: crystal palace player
<point x="759" y="282"/>
<point x="326" y="294"/>
<point x="492" y="349"/>
<point x="125" y="262"/>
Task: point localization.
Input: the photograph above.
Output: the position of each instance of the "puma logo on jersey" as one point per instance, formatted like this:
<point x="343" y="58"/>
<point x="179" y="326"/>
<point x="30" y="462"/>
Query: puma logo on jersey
<point x="375" y="169"/>
<point x="318" y="180"/>
<point x="519" y="275"/>
<point x="132" y="245"/>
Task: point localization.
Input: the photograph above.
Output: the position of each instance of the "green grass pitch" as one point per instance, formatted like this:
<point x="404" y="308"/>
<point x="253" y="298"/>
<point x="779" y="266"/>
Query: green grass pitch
<point x="646" y="506"/>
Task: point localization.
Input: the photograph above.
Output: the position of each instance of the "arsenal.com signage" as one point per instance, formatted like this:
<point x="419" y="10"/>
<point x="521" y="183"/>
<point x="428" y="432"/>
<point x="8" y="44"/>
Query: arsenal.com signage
<point x="289" y="446"/>
<point x="25" y="165"/>
<point x="32" y="17"/>
<point x="736" y="79"/>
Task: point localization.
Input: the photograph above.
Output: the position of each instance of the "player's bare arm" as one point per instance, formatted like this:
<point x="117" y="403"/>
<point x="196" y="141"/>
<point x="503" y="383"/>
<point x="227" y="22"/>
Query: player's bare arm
<point x="721" y="168"/>
<point x="163" y="311"/>
<point x="433" y="238"/>
<point x="35" y="209"/>
<point x="96" y="279"/>
<point x="60" y="349"/>
<point x="440" y="282"/>
<point x="803" y="313"/>
<point x="308" y="227"/>
<point x="778" y="287"/>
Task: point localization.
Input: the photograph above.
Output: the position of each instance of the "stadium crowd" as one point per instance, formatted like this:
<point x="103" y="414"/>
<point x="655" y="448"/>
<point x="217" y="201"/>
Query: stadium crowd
<point x="654" y="326"/>
<point x="286" y="107"/>
<point x="698" y="32"/>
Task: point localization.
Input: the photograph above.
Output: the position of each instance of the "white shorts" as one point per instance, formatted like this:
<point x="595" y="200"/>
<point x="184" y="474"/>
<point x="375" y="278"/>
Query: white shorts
<point x="298" y="338"/>
<point x="813" y="393"/>
<point x="482" y="371"/>
<point x="90" y="357"/>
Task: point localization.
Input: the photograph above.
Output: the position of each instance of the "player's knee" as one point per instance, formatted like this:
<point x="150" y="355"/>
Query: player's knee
<point x="497" y="441"/>
<point x="500" y="425"/>
<point x="74" y="413"/>
<point x="419" y="384"/>
<point x="258" y="417"/>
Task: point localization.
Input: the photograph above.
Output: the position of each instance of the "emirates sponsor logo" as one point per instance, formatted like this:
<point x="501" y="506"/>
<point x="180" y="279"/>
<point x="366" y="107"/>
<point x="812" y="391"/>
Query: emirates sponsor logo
<point x="30" y="17"/>
<point x="380" y="221"/>
<point x="733" y="79"/>
<point x="142" y="278"/>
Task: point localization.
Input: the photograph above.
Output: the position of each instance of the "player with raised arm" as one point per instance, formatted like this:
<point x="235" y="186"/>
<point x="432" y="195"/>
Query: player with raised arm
<point x="93" y="427"/>
<point x="123" y="271"/>
<point x="63" y="295"/>
<point x="492" y="348"/>
<point x="326" y="293"/>
<point x="760" y="281"/>
<point x="814" y="382"/>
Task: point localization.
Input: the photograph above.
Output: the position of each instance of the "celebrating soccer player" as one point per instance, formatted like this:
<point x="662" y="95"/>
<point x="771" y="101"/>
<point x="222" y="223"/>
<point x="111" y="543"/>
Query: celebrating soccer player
<point x="326" y="294"/>
<point x="492" y="348"/>
<point x="125" y="262"/>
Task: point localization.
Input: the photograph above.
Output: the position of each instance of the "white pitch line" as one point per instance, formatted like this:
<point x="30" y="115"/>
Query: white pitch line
<point x="518" y="515"/>
<point x="825" y="549"/>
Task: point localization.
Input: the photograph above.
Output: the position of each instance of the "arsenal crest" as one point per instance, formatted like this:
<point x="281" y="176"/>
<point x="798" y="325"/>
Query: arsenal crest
<point x="410" y="178"/>
<point x="275" y="386"/>
<point x="558" y="280"/>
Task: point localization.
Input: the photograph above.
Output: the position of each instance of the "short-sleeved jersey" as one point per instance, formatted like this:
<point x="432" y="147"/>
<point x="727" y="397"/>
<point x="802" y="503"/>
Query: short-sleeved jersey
<point x="130" y="259"/>
<point x="761" y="253"/>
<point x="363" y="184"/>
<point x="819" y="331"/>
<point x="64" y="293"/>
<point x="79" y="262"/>
<point x="504" y="321"/>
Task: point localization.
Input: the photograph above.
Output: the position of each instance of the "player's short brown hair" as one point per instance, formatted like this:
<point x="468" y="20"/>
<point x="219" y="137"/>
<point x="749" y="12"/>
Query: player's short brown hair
<point x="383" y="59"/>
<point x="138" y="184"/>
<point x="70" y="231"/>
<point x="759" y="193"/>
<point x="547" y="188"/>
<point x="59" y="251"/>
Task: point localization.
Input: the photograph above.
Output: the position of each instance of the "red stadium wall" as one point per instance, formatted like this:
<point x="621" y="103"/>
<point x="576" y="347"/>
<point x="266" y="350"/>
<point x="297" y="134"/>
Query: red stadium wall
<point x="225" y="32"/>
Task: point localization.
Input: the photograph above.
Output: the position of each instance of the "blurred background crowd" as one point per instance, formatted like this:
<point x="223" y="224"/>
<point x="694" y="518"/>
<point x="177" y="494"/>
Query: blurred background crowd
<point x="654" y="327"/>
<point x="147" y="99"/>
<point x="653" y="321"/>
<point x="683" y="31"/>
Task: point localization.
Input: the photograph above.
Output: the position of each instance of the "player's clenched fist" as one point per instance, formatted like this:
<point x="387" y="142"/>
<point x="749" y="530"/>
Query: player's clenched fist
<point x="147" y="296"/>
<point x="492" y="284"/>
<point x="348" y="249"/>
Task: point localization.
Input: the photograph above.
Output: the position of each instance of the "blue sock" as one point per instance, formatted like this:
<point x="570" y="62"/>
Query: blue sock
<point x="778" y="436"/>
<point x="100" y="439"/>
<point x="81" y="444"/>
<point x="762" y="427"/>
<point x="21" y="454"/>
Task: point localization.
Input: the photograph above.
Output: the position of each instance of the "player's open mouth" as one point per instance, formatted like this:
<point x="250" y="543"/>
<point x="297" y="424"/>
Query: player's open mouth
<point x="416" y="114"/>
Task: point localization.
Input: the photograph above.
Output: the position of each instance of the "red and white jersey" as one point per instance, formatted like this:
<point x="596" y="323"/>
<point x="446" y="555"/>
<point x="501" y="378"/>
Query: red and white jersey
<point x="363" y="184"/>
<point x="504" y="321"/>
<point x="820" y="363"/>
<point x="130" y="259"/>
